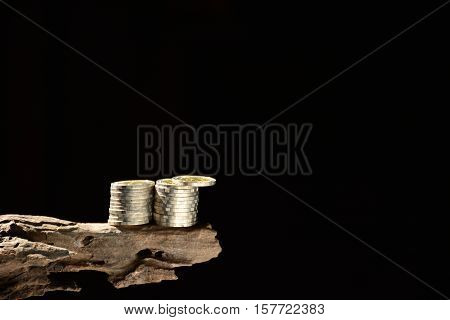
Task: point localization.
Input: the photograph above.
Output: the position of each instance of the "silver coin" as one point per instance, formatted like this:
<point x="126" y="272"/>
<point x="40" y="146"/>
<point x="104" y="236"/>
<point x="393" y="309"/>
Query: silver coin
<point x="143" y="219"/>
<point x="179" y="206"/>
<point x="175" y="225"/>
<point x="182" y="193"/>
<point x="137" y="215"/>
<point x="130" y="212"/>
<point x="175" y="206"/>
<point x="175" y="209"/>
<point x="175" y="203"/>
<point x="131" y="216"/>
<point x="122" y="193"/>
<point x="176" y="195"/>
<point x="129" y="207"/>
<point x="133" y="183"/>
<point x="126" y="191"/>
<point x="179" y="189"/>
<point x="181" y="201"/>
<point x="168" y="183"/>
<point x="129" y="219"/>
<point x="175" y="214"/>
<point x="131" y="190"/>
<point x="121" y="223"/>
<point x="116" y="202"/>
<point x="174" y="218"/>
<point x="130" y="198"/>
<point x="181" y="210"/>
<point x="170" y="219"/>
<point x="123" y="202"/>
<point x="195" y="181"/>
<point x="171" y="215"/>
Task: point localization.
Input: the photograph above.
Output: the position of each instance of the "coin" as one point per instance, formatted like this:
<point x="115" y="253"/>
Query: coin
<point x="195" y="181"/>
<point x="175" y="215"/>
<point x="130" y="210"/>
<point x="173" y="209"/>
<point x="133" y="194"/>
<point x="177" y="195"/>
<point x="168" y="182"/>
<point x="177" y="206"/>
<point x="158" y="217"/>
<point x="171" y="215"/>
<point x="176" y="192"/>
<point x="176" y="199"/>
<point x="181" y="214"/>
<point x="124" y="202"/>
<point x="175" y="225"/>
<point x="129" y="218"/>
<point x="130" y="207"/>
<point x="113" y="219"/>
<point x="121" y="223"/>
<point x="175" y="187"/>
<point x="133" y="183"/>
<point x="131" y="215"/>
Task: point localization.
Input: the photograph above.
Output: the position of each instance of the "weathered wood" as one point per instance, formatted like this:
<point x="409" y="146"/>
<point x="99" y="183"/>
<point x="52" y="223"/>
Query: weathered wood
<point x="32" y="248"/>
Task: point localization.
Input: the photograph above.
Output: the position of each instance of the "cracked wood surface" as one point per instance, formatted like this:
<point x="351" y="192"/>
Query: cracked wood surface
<point x="32" y="248"/>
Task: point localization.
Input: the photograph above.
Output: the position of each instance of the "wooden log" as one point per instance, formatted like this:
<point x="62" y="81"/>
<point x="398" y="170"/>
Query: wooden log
<point x="33" y="248"/>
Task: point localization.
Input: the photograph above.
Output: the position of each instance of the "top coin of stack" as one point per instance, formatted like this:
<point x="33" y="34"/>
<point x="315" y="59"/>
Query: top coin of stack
<point x="195" y="181"/>
<point x="176" y="200"/>
<point x="131" y="202"/>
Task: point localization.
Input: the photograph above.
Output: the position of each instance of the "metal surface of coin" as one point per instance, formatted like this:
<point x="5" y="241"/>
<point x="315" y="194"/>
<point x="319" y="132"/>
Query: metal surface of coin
<point x="176" y="192"/>
<point x="179" y="206"/>
<point x="119" y="211"/>
<point x="177" y="199"/>
<point x="195" y="181"/>
<point x="175" y="209"/>
<point x="133" y="183"/>
<point x="177" y="195"/>
<point x="175" y="225"/>
<point x="143" y="219"/>
<point x="184" y="216"/>
<point x="120" y="223"/>
<point x="168" y="183"/>
<point x="184" y="220"/>
<point x="178" y="215"/>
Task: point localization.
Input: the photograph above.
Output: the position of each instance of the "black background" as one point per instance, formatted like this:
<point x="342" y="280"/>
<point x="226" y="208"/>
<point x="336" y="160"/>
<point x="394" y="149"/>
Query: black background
<point x="378" y="149"/>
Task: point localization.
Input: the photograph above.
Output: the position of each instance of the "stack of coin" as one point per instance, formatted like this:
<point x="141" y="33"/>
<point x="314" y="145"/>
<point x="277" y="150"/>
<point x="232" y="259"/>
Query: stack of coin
<point x="176" y="200"/>
<point x="131" y="202"/>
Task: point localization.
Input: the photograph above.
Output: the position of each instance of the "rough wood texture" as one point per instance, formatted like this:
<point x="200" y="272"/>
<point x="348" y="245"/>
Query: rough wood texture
<point x="32" y="248"/>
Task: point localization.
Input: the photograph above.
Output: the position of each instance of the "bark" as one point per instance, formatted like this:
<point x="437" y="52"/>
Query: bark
<point x="33" y="248"/>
